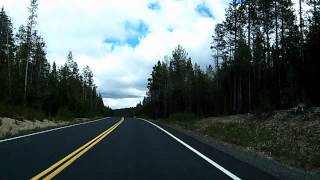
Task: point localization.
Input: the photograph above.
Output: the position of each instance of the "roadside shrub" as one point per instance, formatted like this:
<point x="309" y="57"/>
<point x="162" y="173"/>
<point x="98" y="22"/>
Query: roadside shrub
<point x="183" y="116"/>
<point x="32" y="114"/>
<point x="144" y="116"/>
<point x="183" y="119"/>
<point x="236" y="133"/>
<point x="295" y="146"/>
<point x="21" y="113"/>
<point x="3" y="110"/>
<point x="64" y="114"/>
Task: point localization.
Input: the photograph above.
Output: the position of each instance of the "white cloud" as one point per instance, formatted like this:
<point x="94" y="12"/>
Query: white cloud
<point x="82" y="26"/>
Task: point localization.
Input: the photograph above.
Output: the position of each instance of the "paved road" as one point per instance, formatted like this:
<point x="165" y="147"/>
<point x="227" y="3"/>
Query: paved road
<point x="135" y="149"/>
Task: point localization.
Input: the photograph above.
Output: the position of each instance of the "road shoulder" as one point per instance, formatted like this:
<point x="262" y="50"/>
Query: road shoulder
<point x="267" y="165"/>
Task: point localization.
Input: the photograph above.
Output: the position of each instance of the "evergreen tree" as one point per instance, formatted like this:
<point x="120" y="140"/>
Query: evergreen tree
<point x="29" y="44"/>
<point x="7" y="49"/>
<point x="26" y="77"/>
<point x="262" y="58"/>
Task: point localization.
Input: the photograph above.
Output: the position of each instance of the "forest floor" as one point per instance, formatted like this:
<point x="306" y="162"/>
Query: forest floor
<point x="11" y="127"/>
<point x="290" y="138"/>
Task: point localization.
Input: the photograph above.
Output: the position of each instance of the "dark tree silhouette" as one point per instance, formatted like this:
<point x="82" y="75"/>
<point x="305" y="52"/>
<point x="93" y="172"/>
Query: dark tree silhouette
<point x="264" y="59"/>
<point x="29" y="83"/>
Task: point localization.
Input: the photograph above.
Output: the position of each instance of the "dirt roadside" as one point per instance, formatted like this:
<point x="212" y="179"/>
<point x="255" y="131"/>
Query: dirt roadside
<point x="11" y="127"/>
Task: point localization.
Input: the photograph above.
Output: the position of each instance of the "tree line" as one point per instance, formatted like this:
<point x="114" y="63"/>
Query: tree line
<point x="29" y="82"/>
<point x="265" y="57"/>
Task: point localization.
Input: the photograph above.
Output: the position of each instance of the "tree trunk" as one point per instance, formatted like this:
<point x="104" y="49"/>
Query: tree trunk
<point x="282" y="29"/>
<point x="249" y="24"/>
<point x="235" y="24"/>
<point x="240" y="96"/>
<point x="249" y="92"/>
<point x="315" y="13"/>
<point x="26" y="82"/>
<point x="276" y="22"/>
<point x="9" y="68"/>
<point x="249" y="44"/>
<point x="234" y="95"/>
<point x="277" y="52"/>
<point x="302" y="99"/>
<point x="268" y="48"/>
<point x="301" y="30"/>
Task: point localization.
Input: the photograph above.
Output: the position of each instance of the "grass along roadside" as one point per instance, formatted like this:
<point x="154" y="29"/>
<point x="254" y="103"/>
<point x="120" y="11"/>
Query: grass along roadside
<point x="293" y="146"/>
<point x="291" y="139"/>
<point x="184" y="120"/>
<point x="12" y="127"/>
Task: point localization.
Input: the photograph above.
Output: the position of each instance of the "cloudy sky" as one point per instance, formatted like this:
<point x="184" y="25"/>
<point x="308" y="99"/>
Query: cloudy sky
<point x="122" y="39"/>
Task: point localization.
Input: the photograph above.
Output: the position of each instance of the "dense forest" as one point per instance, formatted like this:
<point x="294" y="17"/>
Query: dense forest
<point x="31" y="86"/>
<point x="265" y="57"/>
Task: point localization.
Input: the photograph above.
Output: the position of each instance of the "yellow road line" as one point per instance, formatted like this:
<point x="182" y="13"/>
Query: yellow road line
<point x="66" y="164"/>
<point x="66" y="161"/>
<point x="69" y="156"/>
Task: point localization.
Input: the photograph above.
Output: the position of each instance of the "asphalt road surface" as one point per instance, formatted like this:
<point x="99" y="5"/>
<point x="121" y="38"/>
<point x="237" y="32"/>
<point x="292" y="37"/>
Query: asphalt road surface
<point x="116" y="148"/>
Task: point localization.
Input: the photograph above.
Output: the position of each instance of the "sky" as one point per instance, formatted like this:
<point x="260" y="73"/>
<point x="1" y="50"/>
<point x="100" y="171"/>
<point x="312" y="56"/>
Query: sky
<point x="121" y="40"/>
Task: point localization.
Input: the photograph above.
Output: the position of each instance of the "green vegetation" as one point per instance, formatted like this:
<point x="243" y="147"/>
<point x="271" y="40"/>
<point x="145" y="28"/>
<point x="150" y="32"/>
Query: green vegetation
<point x="31" y="87"/>
<point x="127" y="112"/>
<point x="182" y="117"/>
<point x="263" y="59"/>
<point x="296" y="146"/>
<point x="185" y="120"/>
<point x="21" y="112"/>
<point x="64" y="114"/>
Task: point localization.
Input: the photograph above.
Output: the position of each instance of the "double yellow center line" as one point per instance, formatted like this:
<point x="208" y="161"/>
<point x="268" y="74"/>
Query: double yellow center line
<point x="56" y="168"/>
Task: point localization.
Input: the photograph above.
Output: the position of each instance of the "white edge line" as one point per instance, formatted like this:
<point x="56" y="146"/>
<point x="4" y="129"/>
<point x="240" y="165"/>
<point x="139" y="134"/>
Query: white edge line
<point x="49" y="130"/>
<point x="197" y="152"/>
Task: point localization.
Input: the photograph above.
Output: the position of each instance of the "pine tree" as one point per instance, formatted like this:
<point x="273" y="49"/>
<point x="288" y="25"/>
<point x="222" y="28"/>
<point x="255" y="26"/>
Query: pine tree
<point x="219" y="44"/>
<point x="29" y="42"/>
<point x="27" y="78"/>
<point x="7" y="49"/>
<point x="259" y="64"/>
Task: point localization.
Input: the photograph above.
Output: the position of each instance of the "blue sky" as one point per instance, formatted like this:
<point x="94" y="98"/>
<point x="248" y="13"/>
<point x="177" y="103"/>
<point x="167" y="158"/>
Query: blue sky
<point x="154" y="6"/>
<point x="204" y="10"/>
<point x="135" y="32"/>
<point x="120" y="39"/>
